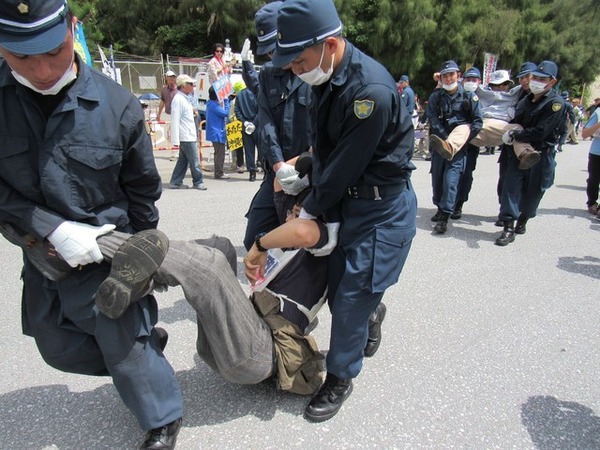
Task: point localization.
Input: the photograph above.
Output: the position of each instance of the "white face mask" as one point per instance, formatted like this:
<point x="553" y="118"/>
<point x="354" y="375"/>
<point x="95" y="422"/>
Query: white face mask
<point x="470" y="86"/>
<point x="537" y="87"/>
<point x="450" y="87"/>
<point x="316" y="76"/>
<point x="67" y="78"/>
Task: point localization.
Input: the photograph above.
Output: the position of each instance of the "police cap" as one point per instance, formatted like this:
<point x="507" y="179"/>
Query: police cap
<point x="302" y="24"/>
<point x="32" y="27"/>
<point x="265" y="21"/>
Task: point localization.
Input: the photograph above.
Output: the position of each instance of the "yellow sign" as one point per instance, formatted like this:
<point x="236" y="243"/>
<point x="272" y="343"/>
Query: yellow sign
<point x="234" y="135"/>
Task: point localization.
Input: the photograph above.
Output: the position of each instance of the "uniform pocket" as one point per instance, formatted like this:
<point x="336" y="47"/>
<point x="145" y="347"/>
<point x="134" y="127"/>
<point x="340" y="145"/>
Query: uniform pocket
<point x="389" y="255"/>
<point x="93" y="174"/>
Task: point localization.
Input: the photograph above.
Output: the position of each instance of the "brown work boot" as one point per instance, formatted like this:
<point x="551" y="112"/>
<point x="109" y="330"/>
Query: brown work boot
<point x="131" y="272"/>
<point x="441" y="147"/>
<point x="528" y="159"/>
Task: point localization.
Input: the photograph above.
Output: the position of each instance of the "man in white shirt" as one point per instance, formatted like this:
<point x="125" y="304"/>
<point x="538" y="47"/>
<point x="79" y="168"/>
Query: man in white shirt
<point x="184" y="136"/>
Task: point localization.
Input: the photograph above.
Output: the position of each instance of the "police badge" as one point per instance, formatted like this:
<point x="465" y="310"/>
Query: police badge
<point x="363" y="108"/>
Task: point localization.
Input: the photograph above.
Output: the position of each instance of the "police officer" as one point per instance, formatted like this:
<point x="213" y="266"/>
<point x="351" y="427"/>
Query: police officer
<point x="471" y="81"/>
<point x="361" y="168"/>
<point x="283" y="129"/>
<point x="450" y="110"/>
<point x="523" y="77"/>
<point x="408" y="97"/>
<point x="539" y="114"/>
<point x="76" y="161"/>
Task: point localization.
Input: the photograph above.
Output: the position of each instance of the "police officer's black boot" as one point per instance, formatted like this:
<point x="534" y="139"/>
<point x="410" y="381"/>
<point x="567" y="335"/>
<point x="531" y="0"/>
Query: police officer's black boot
<point x="508" y="235"/>
<point x="442" y="226"/>
<point x="457" y="214"/>
<point x="437" y="215"/>
<point x="330" y="398"/>
<point x="252" y="175"/>
<point x="374" y="339"/>
<point x="521" y="226"/>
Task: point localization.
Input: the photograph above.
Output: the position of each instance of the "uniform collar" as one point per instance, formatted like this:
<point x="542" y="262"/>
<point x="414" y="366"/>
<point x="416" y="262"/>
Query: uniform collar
<point x="340" y="74"/>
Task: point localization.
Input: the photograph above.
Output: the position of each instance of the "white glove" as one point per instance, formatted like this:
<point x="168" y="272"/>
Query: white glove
<point x="305" y="215"/>
<point x="507" y="137"/>
<point x="286" y="171"/>
<point x="249" y="127"/>
<point x="332" y="239"/>
<point x="295" y="185"/>
<point x="76" y="242"/>
<point x="245" y="50"/>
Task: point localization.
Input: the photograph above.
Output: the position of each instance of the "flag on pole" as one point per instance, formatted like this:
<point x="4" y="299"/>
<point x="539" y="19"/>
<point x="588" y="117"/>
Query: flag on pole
<point x="489" y="65"/>
<point x="109" y="68"/>
<point x="81" y="44"/>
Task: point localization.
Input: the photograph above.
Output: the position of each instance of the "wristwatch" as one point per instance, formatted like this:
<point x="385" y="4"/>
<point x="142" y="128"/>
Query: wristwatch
<point x="257" y="242"/>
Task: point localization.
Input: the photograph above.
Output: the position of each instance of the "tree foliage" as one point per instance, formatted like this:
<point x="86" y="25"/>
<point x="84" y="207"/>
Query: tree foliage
<point x="410" y="37"/>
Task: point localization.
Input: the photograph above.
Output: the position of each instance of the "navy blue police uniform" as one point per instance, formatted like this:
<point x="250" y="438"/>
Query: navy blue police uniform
<point x="283" y="123"/>
<point x="283" y="132"/>
<point x="445" y="112"/>
<point x="523" y="190"/>
<point x="59" y="163"/>
<point x="361" y="165"/>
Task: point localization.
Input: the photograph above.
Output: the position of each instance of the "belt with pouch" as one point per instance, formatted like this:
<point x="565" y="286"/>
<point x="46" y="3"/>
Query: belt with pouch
<point x="368" y="192"/>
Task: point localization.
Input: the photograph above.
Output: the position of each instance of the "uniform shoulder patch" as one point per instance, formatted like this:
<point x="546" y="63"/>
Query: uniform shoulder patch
<point x="363" y="108"/>
<point x="556" y="106"/>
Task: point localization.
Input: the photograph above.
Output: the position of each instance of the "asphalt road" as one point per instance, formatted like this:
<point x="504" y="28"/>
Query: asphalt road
<point x="484" y="347"/>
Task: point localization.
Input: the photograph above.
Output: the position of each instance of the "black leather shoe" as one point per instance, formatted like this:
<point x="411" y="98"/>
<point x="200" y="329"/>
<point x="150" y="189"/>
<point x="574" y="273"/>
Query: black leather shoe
<point x="436" y="217"/>
<point x="506" y="238"/>
<point x="252" y="175"/>
<point x="498" y="223"/>
<point x="163" y="337"/>
<point x="330" y="398"/>
<point x="521" y="226"/>
<point x="374" y="339"/>
<point x="441" y="227"/>
<point x="457" y="213"/>
<point x="163" y="438"/>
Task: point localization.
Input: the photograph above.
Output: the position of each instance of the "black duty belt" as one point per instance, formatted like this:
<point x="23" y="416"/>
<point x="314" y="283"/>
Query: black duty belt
<point x="367" y="192"/>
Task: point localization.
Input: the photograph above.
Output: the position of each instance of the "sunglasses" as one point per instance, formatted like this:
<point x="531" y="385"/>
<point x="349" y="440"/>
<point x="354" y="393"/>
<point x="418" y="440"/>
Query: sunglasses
<point x="218" y="51"/>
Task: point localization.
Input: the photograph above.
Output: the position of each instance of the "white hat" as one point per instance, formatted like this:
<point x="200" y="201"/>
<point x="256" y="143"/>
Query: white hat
<point x="170" y="73"/>
<point x="182" y="79"/>
<point x="500" y="76"/>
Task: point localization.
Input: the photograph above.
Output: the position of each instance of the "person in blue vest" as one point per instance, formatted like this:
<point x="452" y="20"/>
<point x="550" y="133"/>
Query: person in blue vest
<point x="539" y="113"/>
<point x="361" y="173"/>
<point x="450" y="110"/>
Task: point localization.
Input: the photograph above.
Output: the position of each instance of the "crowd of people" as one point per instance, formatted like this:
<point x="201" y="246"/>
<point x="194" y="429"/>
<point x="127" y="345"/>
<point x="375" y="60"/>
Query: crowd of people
<point x="81" y="203"/>
<point x="529" y="122"/>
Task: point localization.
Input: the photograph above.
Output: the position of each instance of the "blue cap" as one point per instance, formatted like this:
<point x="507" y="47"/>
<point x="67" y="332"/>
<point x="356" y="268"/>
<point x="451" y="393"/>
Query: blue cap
<point x="526" y="69"/>
<point x="302" y="24"/>
<point x="32" y="27"/>
<point x="448" y="66"/>
<point x="473" y="72"/>
<point x="265" y="21"/>
<point x="564" y="94"/>
<point x="546" y="69"/>
<point x="403" y="78"/>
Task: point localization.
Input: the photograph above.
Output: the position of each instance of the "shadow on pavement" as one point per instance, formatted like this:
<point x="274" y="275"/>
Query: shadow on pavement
<point x="556" y="424"/>
<point x="588" y="266"/>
